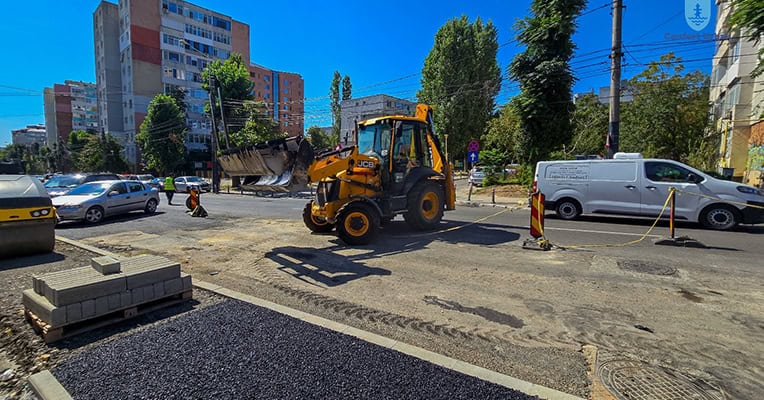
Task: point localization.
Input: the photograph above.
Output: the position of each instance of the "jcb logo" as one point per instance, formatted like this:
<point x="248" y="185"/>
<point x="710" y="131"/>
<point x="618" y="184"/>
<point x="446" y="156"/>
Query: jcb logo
<point x="366" y="164"/>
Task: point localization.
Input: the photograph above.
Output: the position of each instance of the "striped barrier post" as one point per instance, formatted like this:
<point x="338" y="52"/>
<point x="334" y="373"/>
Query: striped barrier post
<point x="537" y="215"/>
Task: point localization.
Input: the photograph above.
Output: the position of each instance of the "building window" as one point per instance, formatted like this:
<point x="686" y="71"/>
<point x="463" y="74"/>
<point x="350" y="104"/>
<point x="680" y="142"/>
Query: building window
<point x="266" y="86"/>
<point x="286" y="82"/>
<point x="267" y="78"/>
<point x="286" y="90"/>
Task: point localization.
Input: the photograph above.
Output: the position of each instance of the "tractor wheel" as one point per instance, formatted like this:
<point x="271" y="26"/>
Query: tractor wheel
<point x="425" y="206"/>
<point x="357" y="223"/>
<point x="315" y="224"/>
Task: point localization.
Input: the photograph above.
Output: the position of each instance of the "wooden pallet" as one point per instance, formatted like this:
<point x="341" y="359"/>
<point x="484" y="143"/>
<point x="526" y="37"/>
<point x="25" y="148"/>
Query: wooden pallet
<point x="53" y="334"/>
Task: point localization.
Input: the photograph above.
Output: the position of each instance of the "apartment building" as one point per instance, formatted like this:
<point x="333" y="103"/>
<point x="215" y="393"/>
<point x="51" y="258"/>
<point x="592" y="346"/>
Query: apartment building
<point x="737" y="100"/>
<point x="70" y="106"/>
<point x="30" y="135"/>
<point x="361" y="108"/>
<point x="159" y="46"/>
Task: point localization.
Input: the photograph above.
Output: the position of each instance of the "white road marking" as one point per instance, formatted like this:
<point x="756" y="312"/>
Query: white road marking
<point x="601" y="232"/>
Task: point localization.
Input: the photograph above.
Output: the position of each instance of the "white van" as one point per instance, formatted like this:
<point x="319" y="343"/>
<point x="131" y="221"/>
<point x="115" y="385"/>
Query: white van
<point x="631" y="185"/>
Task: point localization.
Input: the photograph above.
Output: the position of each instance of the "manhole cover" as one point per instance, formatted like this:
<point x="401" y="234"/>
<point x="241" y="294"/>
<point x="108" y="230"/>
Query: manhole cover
<point x="631" y="380"/>
<point x="646" y="267"/>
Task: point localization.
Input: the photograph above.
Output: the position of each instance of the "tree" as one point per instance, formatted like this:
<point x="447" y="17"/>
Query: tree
<point x="334" y="98"/>
<point x="258" y="126"/>
<point x="590" y="126"/>
<point x="669" y="114"/>
<point x="101" y="153"/>
<point x="179" y="94"/>
<point x="161" y="135"/>
<point x="503" y="131"/>
<point x="320" y="140"/>
<point x="460" y="79"/>
<point x="347" y="88"/>
<point x="543" y="71"/>
<point x="232" y="77"/>
<point x="748" y="15"/>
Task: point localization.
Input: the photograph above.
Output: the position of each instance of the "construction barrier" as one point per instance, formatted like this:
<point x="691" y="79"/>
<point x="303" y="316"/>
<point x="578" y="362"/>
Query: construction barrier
<point x="537" y="215"/>
<point x="193" y="203"/>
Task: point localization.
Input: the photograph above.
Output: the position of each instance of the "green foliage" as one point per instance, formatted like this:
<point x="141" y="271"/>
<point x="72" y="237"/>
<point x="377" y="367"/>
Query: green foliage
<point x="35" y="159"/>
<point x="347" y="88"/>
<point x="179" y="94"/>
<point x="161" y="135"/>
<point x="748" y="15"/>
<point x="503" y="130"/>
<point x="232" y="77"/>
<point x="320" y="140"/>
<point x="493" y="160"/>
<point x="258" y="127"/>
<point x="590" y="127"/>
<point x="543" y="71"/>
<point x="101" y="153"/>
<point x="461" y="79"/>
<point x="669" y="115"/>
<point x="704" y="153"/>
<point x="334" y="99"/>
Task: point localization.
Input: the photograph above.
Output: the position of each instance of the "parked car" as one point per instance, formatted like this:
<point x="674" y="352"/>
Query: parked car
<point x="185" y="183"/>
<point x="61" y="184"/>
<point x="631" y="185"/>
<point x="95" y="200"/>
<point x="158" y="183"/>
<point x="476" y="176"/>
<point x="27" y="220"/>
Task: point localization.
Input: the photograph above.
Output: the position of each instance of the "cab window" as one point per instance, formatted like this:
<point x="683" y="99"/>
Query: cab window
<point x="665" y="172"/>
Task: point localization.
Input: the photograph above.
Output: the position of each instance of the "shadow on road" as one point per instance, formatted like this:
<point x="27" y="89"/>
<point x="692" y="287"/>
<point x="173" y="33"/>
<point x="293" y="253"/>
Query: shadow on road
<point x="647" y="222"/>
<point x="332" y="268"/>
<point x="108" y="220"/>
<point x="28" y="261"/>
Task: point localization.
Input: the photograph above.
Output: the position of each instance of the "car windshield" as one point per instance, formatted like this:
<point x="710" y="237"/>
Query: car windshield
<point x="90" y="189"/>
<point x="374" y="140"/>
<point x="64" y="181"/>
<point x="145" y="177"/>
<point x="194" y="179"/>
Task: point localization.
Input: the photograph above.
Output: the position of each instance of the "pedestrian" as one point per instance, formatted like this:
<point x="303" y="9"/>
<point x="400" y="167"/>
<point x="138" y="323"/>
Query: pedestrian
<point x="169" y="188"/>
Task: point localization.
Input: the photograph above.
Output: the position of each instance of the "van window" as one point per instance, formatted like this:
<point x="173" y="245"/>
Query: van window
<point x="610" y="171"/>
<point x="135" y="186"/>
<point x="665" y="172"/>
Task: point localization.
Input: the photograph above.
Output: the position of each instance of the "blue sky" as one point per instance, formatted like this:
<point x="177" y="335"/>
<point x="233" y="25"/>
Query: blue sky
<point x="381" y="45"/>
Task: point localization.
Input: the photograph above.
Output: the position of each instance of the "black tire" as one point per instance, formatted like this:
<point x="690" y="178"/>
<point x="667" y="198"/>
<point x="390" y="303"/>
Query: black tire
<point x="94" y="215"/>
<point x="567" y="209"/>
<point x="357" y="223"/>
<point x="720" y="217"/>
<point x="151" y="206"/>
<point x="315" y="224"/>
<point x="425" y="206"/>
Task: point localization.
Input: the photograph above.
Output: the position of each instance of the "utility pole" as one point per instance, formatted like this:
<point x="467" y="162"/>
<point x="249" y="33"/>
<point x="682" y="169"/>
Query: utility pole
<point x="222" y="119"/>
<point x="614" y="126"/>
<point x="214" y="141"/>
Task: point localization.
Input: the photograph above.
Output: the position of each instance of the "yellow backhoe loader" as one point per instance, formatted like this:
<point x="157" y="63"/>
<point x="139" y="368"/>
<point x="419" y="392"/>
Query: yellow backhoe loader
<point x="396" y="166"/>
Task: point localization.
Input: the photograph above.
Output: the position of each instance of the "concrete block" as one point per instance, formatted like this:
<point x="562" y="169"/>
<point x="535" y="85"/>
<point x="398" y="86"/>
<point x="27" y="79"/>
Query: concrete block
<point x="148" y="293"/>
<point x="105" y="265"/>
<point x="137" y="295"/>
<point x="88" y="309"/>
<point x="42" y="308"/>
<point x="159" y="290"/>
<point x="186" y="278"/>
<point x="73" y="313"/>
<point x="149" y="275"/>
<point x="37" y="285"/>
<point x="126" y="298"/>
<point x="173" y="286"/>
<point x="114" y="301"/>
<point x="71" y="291"/>
<point x="46" y="386"/>
<point x="102" y="305"/>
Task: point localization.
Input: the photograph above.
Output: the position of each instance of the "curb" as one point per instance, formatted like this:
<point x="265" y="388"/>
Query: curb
<point x="46" y="387"/>
<point x="414" y="351"/>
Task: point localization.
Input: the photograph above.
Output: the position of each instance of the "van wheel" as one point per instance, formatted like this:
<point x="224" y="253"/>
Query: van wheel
<point x="719" y="217"/>
<point x="568" y="209"/>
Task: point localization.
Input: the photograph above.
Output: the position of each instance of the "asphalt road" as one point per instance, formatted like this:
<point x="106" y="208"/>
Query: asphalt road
<point x="468" y="287"/>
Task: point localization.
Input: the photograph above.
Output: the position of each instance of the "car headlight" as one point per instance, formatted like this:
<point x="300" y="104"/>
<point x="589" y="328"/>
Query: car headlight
<point x="749" y="190"/>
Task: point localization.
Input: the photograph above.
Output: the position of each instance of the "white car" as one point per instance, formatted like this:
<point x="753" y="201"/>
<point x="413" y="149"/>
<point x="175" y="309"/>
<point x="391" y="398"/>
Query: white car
<point x="183" y="184"/>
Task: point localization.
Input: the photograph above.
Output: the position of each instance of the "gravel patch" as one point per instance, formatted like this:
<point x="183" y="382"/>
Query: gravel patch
<point x="237" y="350"/>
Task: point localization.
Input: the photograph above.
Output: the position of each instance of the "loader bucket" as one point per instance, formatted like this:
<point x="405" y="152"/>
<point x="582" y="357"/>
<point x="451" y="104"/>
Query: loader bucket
<point x="278" y="165"/>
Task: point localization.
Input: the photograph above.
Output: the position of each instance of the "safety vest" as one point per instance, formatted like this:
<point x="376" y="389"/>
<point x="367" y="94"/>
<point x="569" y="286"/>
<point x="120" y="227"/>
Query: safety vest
<point x="169" y="184"/>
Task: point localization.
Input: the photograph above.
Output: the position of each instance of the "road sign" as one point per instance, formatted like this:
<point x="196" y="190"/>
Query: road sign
<point x="473" y="146"/>
<point x="473" y="157"/>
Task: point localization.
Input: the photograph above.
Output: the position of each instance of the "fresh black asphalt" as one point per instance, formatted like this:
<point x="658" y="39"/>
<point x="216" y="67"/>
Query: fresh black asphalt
<point x="235" y="350"/>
